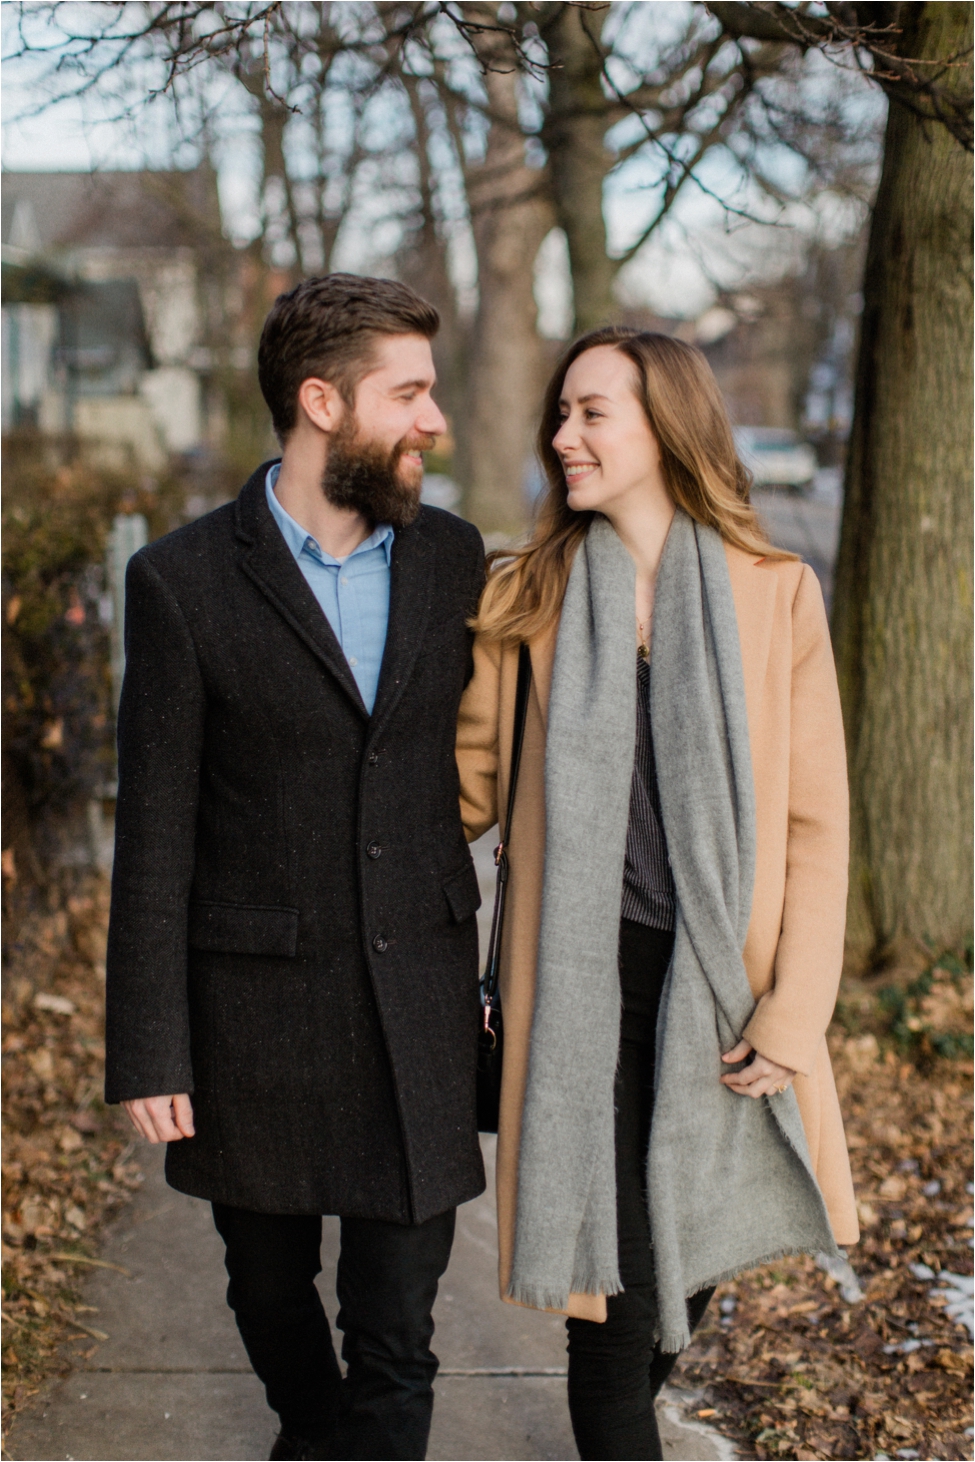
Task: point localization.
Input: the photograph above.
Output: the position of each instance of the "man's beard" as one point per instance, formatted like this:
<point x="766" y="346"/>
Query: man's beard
<point x="365" y="477"/>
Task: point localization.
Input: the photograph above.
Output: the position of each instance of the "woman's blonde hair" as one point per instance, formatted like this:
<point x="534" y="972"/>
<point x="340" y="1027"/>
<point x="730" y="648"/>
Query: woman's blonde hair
<point x="703" y="474"/>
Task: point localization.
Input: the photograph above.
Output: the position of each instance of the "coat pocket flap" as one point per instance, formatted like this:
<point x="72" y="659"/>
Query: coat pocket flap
<point x="462" y="892"/>
<point x="243" y="929"/>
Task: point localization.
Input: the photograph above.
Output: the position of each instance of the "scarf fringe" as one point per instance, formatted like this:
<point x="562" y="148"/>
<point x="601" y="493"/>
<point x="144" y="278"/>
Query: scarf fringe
<point x="537" y="1297"/>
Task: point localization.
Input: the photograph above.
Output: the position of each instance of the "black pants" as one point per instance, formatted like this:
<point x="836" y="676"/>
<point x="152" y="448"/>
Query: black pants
<point x="616" y="1369"/>
<point x="386" y="1285"/>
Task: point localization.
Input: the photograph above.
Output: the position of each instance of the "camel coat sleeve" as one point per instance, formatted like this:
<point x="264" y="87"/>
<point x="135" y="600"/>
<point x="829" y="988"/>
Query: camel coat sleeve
<point x="791" y="1018"/>
<point x="477" y="741"/>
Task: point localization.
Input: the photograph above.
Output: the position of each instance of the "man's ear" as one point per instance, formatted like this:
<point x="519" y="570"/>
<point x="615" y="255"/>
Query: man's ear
<point x="322" y="403"/>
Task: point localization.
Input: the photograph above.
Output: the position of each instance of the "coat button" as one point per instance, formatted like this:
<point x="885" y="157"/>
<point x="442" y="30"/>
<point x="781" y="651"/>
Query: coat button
<point x="379" y="944"/>
<point x="374" y="758"/>
<point x="374" y="850"/>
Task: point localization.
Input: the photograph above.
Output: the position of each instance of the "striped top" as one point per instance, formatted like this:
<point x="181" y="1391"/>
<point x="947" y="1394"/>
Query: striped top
<point x="648" y="884"/>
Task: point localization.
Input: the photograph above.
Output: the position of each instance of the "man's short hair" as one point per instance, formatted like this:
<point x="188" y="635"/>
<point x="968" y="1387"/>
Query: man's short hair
<point x="328" y="328"/>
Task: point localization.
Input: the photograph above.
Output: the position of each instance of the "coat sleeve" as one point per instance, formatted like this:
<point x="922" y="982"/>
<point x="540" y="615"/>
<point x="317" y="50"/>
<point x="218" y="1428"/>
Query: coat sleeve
<point x="790" y="1021"/>
<point x="477" y="741"/>
<point x="160" y="741"/>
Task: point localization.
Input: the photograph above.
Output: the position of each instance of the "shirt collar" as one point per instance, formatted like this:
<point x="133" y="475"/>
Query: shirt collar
<point x="298" y="538"/>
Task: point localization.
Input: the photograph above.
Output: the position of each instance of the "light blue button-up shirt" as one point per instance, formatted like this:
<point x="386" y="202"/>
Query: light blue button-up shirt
<point x="353" y="592"/>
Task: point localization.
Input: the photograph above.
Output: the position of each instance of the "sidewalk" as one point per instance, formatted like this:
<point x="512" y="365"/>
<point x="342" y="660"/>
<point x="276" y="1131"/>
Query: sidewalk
<point x="807" y="524"/>
<point x="172" y="1381"/>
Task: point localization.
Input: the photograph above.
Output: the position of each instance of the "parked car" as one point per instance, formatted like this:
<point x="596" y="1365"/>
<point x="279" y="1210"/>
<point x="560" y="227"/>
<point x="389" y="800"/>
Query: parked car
<point x="776" y="457"/>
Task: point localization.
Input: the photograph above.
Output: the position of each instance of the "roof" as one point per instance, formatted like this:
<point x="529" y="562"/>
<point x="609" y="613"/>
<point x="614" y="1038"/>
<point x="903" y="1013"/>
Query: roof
<point x="56" y="211"/>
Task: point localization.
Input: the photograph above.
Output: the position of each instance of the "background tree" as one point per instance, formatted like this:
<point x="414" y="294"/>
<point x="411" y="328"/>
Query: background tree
<point x="523" y="108"/>
<point x="903" y="601"/>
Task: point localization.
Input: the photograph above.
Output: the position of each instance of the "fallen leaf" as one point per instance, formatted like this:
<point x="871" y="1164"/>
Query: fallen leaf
<point x="57" y="1004"/>
<point x="954" y="1360"/>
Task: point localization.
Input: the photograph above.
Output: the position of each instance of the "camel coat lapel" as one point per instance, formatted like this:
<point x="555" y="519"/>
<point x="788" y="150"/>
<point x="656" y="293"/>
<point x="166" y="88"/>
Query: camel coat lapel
<point x="794" y="949"/>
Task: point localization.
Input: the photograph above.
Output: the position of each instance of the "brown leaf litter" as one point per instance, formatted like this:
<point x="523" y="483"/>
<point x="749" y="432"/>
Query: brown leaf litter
<point x="67" y="1165"/>
<point x="792" y="1369"/>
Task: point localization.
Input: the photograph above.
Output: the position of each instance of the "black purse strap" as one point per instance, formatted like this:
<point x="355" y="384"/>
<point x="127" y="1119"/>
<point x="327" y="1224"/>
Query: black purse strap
<point x="492" y="969"/>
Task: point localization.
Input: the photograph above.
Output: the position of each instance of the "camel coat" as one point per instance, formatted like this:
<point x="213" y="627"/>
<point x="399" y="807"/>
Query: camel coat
<point x="794" y="947"/>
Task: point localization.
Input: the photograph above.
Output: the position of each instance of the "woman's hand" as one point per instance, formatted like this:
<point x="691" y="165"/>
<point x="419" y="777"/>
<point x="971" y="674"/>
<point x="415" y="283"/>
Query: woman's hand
<point x="760" y="1077"/>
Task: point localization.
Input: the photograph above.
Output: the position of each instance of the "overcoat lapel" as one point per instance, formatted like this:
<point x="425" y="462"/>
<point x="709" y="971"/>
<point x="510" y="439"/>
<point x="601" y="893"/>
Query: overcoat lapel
<point x="267" y="560"/>
<point x="410" y="593"/>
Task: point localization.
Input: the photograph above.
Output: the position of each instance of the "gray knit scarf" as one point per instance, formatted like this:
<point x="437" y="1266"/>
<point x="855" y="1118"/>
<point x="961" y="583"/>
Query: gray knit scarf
<point x="730" y="1183"/>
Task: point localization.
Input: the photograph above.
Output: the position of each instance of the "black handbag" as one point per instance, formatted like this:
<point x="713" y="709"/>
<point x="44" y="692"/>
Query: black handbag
<point x="490" y="1039"/>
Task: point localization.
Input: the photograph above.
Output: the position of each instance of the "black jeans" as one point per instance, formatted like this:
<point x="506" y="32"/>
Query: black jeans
<point x="616" y="1369"/>
<point x="386" y="1285"/>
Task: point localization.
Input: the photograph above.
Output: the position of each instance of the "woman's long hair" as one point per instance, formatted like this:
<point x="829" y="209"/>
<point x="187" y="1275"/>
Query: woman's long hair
<point x="701" y="469"/>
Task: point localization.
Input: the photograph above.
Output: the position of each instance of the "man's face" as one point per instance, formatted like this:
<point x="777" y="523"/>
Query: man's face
<point x="375" y="461"/>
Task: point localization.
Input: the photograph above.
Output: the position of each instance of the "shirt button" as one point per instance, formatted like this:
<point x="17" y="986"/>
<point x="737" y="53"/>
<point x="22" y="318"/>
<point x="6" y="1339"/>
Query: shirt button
<point x="353" y="660"/>
<point x="379" y="944"/>
<point x="374" y="850"/>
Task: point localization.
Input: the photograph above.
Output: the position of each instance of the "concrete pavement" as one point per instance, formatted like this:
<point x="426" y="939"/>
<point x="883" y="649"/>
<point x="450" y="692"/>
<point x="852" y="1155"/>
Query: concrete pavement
<point x="171" y="1381"/>
<point x="807" y="524"/>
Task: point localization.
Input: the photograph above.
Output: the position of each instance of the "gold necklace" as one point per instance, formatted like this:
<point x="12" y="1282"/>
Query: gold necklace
<point x="642" y="649"/>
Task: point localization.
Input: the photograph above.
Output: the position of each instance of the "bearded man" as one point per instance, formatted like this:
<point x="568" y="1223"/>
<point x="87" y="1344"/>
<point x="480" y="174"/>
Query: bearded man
<point x="292" y="968"/>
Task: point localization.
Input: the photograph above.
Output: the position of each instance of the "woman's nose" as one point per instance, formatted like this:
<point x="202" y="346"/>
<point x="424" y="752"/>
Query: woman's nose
<point x="565" y="437"/>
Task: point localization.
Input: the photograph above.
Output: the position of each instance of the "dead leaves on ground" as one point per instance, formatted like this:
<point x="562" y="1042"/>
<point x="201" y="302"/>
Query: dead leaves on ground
<point x="793" y="1370"/>
<point x="66" y="1157"/>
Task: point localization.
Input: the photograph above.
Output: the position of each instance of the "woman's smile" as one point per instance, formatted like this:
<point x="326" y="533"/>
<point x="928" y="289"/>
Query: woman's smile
<point x="575" y="471"/>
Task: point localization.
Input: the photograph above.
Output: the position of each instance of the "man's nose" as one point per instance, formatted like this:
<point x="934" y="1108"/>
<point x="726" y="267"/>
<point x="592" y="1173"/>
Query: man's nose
<point x="431" y="419"/>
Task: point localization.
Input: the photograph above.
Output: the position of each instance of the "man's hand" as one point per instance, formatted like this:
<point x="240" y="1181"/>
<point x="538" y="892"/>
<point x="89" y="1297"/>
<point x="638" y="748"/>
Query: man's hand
<point x="162" y="1118"/>
<point x="760" y="1077"/>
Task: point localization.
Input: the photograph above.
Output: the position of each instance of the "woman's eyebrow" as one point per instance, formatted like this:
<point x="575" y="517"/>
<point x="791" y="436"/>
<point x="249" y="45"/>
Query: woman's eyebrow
<point x="592" y="396"/>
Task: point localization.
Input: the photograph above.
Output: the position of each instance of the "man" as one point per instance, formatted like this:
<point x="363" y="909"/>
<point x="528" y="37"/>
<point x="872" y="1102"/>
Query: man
<point x="292" y="968"/>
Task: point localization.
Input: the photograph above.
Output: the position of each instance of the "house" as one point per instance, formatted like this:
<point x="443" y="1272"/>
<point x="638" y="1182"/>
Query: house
<point x="111" y="284"/>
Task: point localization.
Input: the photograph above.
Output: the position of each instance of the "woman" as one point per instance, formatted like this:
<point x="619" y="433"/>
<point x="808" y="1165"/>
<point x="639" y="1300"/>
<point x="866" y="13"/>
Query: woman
<point x="677" y="889"/>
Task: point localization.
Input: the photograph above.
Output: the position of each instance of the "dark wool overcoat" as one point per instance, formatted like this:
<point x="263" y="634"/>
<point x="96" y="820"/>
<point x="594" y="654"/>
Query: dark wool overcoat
<point x="292" y="935"/>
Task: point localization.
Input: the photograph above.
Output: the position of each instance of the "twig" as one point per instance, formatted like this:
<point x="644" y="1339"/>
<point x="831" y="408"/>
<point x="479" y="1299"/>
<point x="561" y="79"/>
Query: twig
<point x="94" y="1263"/>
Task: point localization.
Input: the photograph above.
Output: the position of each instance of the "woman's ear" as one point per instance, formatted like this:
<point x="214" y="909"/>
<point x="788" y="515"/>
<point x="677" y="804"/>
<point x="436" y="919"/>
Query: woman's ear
<point x="321" y="403"/>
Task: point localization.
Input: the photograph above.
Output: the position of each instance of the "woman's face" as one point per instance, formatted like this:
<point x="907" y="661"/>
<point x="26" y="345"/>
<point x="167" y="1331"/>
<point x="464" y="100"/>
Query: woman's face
<point x="605" y="443"/>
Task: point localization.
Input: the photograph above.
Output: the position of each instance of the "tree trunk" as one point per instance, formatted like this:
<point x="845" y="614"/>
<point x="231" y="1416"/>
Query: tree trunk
<point x="505" y="367"/>
<point x="573" y="133"/>
<point x="903" y="605"/>
<point x="423" y="262"/>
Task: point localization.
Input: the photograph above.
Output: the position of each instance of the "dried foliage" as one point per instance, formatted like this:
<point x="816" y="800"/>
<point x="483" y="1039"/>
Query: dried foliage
<point x="66" y="1167"/>
<point x="56" y="686"/>
<point x="58" y="735"/>
<point x="792" y="1369"/>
